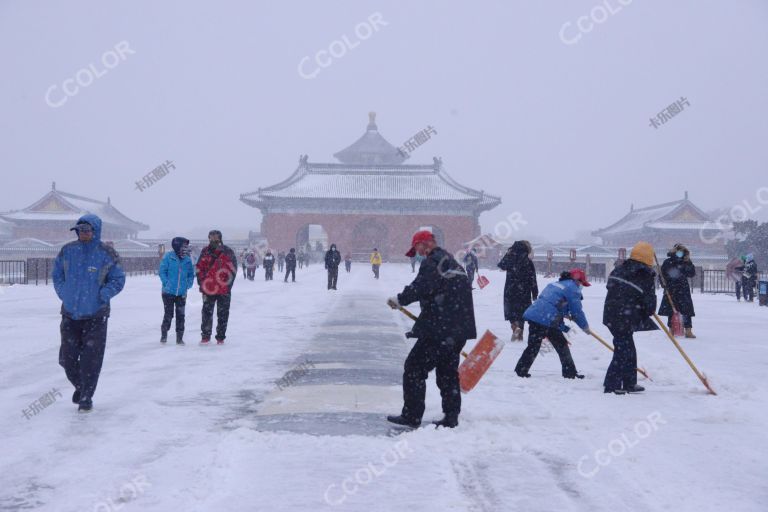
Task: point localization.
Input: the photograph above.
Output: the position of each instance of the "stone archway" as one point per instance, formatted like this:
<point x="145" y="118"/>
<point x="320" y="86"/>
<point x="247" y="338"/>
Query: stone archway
<point x="367" y="235"/>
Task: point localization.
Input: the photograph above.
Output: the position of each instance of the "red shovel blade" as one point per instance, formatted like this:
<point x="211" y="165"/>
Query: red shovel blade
<point x="677" y="324"/>
<point x="482" y="281"/>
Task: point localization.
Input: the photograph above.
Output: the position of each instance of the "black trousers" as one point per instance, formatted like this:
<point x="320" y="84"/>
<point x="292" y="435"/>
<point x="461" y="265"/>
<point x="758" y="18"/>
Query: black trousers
<point x="269" y="273"/>
<point x="471" y="274"/>
<point x="290" y="271"/>
<point x="748" y="285"/>
<point x="425" y="356"/>
<point x="221" y="302"/>
<point x="622" y="372"/>
<point x="333" y="277"/>
<point x="536" y="334"/>
<point x="251" y="273"/>
<point x="376" y="270"/>
<point x="171" y="303"/>
<point x="279" y="266"/>
<point x="348" y="265"/>
<point x="245" y="272"/>
<point x="82" y="352"/>
<point x="738" y="290"/>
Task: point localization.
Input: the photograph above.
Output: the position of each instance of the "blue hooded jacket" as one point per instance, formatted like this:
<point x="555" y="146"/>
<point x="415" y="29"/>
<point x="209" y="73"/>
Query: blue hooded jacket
<point x="87" y="275"/>
<point x="177" y="274"/>
<point x="557" y="301"/>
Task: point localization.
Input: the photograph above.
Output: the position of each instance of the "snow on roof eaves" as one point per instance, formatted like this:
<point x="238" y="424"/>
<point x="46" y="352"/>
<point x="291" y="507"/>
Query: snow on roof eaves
<point x="108" y="213"/>
<point x="376" y="182"/>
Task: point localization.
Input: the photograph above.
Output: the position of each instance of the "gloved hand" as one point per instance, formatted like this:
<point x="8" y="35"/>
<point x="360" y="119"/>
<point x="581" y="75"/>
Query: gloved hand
<point x="587" y="331"/>
<point x="393" y="303"/>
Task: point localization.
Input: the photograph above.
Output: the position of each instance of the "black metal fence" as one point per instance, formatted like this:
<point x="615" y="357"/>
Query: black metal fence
<point x="13" y="272"/>
<point x="717" y="281"/>
<point x="40" y="270"/>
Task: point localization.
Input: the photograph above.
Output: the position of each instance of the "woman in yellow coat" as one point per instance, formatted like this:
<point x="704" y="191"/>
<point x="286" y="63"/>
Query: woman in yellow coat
<point x="375" y="262"/>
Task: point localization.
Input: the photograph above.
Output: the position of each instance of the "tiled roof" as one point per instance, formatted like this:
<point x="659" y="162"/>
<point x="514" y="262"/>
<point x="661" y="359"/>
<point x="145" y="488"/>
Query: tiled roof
<point x="70" y="207"/>
<point x="660" y="216"/>
<point x="380" y="182"/>
<point x="371" y="149"/>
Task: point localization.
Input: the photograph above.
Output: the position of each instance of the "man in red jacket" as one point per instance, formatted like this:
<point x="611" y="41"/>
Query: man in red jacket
<point x="216" y="271"/>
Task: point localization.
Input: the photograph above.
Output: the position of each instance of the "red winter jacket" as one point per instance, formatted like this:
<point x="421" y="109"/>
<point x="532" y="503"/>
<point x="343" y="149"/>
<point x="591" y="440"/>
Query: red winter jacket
<point x="216" y="270"/>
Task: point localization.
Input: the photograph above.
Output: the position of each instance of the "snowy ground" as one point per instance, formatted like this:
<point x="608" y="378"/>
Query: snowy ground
<point x="207" y="429"/>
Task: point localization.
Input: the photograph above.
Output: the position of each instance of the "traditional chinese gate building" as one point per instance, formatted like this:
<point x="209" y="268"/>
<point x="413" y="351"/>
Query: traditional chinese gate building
<point x="50" y="217"/>
<point x="370" y="198"/>
<point x="664" y="225"/>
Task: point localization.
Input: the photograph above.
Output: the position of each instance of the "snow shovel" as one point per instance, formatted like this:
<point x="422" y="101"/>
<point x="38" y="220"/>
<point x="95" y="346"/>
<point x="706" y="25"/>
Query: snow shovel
<point x="607" y="345"/>
<point x="414" y="318"/>
<point x="482" y="281"/>
<point x="677" y="318"/>
<point x="701" y="376"/>
<point x="477" y="362"/>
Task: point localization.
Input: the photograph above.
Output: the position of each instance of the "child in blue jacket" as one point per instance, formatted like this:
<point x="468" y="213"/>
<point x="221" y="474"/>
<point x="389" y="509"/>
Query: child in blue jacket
<point x="177" y="273"/>
<point x="546" y="316"/>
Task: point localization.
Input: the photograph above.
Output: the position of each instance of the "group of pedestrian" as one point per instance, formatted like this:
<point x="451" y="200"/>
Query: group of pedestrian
<point x="743" y="271"/>
<point x="87" y="274"/>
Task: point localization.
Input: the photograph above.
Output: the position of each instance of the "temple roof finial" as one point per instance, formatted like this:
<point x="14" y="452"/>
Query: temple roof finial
<point x="53" y="185"/>
<point x="372" y="121"/>
<point x="686" y="195"/>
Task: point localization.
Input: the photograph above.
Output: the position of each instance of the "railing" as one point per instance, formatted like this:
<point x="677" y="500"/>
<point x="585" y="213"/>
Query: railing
<point x="717" y="281"/>
<point x="40" y="270"/>
<point x="13" y="272"/>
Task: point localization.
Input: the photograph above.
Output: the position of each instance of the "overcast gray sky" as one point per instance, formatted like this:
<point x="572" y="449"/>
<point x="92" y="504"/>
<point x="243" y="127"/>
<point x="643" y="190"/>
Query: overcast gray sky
<point x="560" y="131"/>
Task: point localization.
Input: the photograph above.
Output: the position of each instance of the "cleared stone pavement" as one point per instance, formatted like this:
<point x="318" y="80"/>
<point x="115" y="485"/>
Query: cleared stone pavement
<point x="350" y="377"/>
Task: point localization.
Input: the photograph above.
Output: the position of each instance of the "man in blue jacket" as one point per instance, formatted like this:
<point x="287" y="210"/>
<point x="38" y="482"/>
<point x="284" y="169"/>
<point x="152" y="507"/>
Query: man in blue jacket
<point x="558" y="301"/>
<point x="86" y="276"/>
<point x="177" y="273"/>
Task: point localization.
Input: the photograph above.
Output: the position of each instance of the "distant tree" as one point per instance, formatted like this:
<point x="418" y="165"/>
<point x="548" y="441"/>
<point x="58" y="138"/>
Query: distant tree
<point x="751" y="238"/>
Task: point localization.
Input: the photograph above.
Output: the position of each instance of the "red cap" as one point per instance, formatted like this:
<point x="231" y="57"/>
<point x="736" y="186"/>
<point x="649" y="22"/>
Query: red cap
<point x="578" y="275"/>
<point x="419" y="237"/>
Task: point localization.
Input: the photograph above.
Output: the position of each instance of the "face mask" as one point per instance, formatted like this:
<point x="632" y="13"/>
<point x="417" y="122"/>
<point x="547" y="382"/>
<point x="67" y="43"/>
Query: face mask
<point x="679" y="254"/>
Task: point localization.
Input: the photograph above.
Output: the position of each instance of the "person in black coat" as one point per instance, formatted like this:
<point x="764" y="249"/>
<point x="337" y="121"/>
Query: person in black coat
<point x="332" y="261"/>
<point x="520" y="288"/>
<point x="471" y="264"/>
<point x="290" y="265"/>
<point x="280" y="260"/>
<point x="446" y="322"/>
<point x="749" y="277"/>
<point x="269" y="265"/>
<point x="676" y="270"/>
<point x="629" y="304"/>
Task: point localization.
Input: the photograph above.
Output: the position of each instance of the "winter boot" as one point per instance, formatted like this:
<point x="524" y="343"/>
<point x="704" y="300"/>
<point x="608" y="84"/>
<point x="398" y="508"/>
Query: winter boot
<point x="635" y="389"/>
<point x="85" y="405"/>
<point x="402" y="420"/>
<point x="205" y="341"/>
<point x="180" y="338"/>
<point x="76" y="397"/>
<point x="449" y="421"/>
<point x="219" y="342"/>
<point x="574" y="376"/>
<point x="163" y="337"/>
<point x="689" y="333"/>
<point x="522" y="373"/>
<point x="615" y="391"/>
